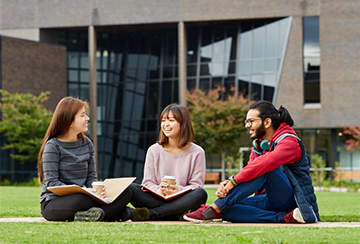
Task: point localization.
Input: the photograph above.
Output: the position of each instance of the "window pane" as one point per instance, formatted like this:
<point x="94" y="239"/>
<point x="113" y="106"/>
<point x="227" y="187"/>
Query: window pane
<point x="244" y="67"/>
<point x="257" y="65"/>
<point x="312" y="94"/>
<point x="74" y="90"/>
<point x="258" y="47"/>
<point x="204" y="84"/>
<point x="255" y="91"/>
<point x="244" y="84"/>
<point x="73" y="59"/>
<point x="311" y="36"/>
<point x="168" y="72"/>
<point x="268" y="93"/>
<point x="271" y="65"/>
<point x="191" y="70"/>
<point x="191" y="84"/>
<point x="245" y="45"/>
<point x="154" y="73"/>
<point x="192" y="44"/>
<point x="311" y="54"/>
<point x="73" y="75"/>
<point x="271" y="39"/>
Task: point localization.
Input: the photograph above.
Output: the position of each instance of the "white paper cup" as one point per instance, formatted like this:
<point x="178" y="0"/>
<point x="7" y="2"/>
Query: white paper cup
<point x="170" y="180"/>
<point x="98" y="186"/>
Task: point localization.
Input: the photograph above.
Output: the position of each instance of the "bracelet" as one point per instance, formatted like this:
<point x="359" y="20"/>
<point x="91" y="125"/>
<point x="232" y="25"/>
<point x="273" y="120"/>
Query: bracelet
<point x="231" y="178"/>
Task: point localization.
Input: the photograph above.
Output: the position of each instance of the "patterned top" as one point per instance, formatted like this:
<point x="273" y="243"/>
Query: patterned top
<point x="67" y="163"/>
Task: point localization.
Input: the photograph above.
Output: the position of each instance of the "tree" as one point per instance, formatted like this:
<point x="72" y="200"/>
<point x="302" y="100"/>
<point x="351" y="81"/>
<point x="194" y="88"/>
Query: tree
<point x="218" y="119"/>
<point x="24" y="123"/>
<point x="354" y="142"/>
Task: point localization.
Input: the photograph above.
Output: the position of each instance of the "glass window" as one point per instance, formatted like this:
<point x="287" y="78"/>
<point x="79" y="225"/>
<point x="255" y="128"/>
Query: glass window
<point x="245" y="41"/>
<point x="73" y="75"/>
<point x="260" y="52"/>
<point x="84" y="76"/>
<point x="192" y="44"/>
<point x="268" y="93"/>
<point x="258" y="42"/>
<point x="271" y="37"/>
<point x="168" y="72"/>
<point x="84" y="60"/>
<point x="166" y="92"/>
<point x="204" y="84"/>
<point x="73" y="89"/>
<point x="142" y="74"/>
<point x="191" y="84"/>
<point x="73" y="59"/>
<point x="154" y="73"/>
<point x="256" y="91"/>
<point x="244" y="85"/>
<point x="311" y="55"/>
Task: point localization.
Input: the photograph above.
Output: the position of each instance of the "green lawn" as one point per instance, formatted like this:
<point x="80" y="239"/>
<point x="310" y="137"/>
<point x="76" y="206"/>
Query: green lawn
<point x="24" y="202"/>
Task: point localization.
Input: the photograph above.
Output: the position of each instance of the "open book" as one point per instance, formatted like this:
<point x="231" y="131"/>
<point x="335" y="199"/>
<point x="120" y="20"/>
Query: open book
<point x="167" y="197"/>
<point x="114" y="187"/>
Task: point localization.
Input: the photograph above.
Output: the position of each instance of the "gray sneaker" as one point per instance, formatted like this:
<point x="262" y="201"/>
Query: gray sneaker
<point x="92" y="215"/>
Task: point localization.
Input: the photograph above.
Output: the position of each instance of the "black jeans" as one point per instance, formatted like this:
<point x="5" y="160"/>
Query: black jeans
<point x="166" y="210"/>
<point x="64" y="208"/>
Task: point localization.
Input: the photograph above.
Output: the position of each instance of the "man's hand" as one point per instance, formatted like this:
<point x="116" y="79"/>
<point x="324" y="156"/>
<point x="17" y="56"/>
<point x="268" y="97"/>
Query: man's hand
<point x="224" y="188"/>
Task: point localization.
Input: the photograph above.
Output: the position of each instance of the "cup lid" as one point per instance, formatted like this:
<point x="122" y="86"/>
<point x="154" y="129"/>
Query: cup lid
<point x="98" y="183"/>
<point x="169" y="177"/>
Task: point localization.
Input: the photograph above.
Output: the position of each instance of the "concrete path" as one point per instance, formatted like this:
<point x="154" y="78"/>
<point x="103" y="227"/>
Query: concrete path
<point x="320" y="224"/>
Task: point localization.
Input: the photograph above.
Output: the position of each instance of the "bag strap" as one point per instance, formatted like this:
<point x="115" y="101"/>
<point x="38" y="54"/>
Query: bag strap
<point x="285" y="135"/>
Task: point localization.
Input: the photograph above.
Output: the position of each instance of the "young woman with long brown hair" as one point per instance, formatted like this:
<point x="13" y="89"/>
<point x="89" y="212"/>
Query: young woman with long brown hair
<point x="66" y="157"/>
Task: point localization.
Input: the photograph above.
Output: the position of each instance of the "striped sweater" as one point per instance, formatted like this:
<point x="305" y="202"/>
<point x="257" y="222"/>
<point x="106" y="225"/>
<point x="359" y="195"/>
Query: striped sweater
<point x="67" y="163"/>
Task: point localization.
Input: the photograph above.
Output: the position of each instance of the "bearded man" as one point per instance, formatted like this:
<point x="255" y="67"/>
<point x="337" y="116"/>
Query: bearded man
<point x="278" y="165"/>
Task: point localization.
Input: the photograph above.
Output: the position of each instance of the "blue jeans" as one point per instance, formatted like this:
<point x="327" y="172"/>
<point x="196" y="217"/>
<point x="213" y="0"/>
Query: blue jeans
<point x="266" y="208"/>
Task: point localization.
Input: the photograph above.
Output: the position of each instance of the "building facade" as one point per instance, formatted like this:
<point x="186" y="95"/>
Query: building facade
<point x="132" y="58"/>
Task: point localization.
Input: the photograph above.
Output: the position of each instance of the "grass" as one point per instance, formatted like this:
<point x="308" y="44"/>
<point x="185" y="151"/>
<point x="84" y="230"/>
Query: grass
<point x="24" y="202"/>
<point x="150" y="233"/>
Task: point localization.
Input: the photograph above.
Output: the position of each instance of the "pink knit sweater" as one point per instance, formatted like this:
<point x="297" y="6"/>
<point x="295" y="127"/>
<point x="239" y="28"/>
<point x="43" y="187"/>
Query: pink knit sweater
<point x="188" y="167"/>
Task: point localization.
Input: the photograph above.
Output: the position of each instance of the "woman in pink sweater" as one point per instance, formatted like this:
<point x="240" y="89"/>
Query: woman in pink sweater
<point x="174" y="154"/>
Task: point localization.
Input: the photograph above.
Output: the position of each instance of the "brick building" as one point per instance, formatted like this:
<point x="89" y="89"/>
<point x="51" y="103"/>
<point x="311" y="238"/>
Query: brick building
<point x="132" y="58"/>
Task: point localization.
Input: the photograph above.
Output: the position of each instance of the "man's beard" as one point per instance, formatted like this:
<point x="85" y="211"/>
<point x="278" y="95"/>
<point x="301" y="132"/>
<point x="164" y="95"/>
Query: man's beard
<point x="259" y="132"/>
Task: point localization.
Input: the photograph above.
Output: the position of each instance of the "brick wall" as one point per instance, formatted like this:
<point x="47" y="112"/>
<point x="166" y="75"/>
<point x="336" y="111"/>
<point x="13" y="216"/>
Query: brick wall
<point x="32" y="67"/>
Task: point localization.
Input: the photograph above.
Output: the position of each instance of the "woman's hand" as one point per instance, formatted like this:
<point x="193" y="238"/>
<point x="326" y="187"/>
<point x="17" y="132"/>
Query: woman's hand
<point x="167" y="189"/>
<point x="102" y="194"/>
<point x="224" y="188"/>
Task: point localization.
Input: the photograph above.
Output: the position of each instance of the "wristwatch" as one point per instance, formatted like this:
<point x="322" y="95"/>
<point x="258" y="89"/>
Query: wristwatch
<point x="231" y="178"/>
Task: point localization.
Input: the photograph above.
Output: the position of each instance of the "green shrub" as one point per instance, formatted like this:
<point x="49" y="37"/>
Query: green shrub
<point x="318" y="175"/>
<point x="33" y="182"/>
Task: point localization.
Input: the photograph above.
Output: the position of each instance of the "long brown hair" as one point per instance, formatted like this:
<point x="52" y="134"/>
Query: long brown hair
<point x="61" y="121"/>
<point x="181" y="115"/>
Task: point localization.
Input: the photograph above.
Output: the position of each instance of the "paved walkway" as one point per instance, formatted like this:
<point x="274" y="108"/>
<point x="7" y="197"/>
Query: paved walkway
<point x="320" y="224"/>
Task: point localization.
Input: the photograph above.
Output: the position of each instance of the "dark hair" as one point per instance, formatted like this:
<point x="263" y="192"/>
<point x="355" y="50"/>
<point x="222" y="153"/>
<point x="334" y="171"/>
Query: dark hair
<point x="181" y="115"/>
<point x="62" y="118"/>
<point x="268" y="110"/>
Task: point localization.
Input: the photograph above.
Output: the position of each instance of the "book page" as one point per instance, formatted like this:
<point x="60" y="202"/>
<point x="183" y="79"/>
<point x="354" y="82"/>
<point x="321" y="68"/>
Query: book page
<point x="114" y="187"/>
<point x="168" y="197"/>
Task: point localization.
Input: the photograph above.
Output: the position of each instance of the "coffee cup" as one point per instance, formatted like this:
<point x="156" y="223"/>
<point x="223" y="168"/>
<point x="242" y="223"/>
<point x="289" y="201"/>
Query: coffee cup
<point x="98" y="186"/>
<point x="170" y="180"/>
